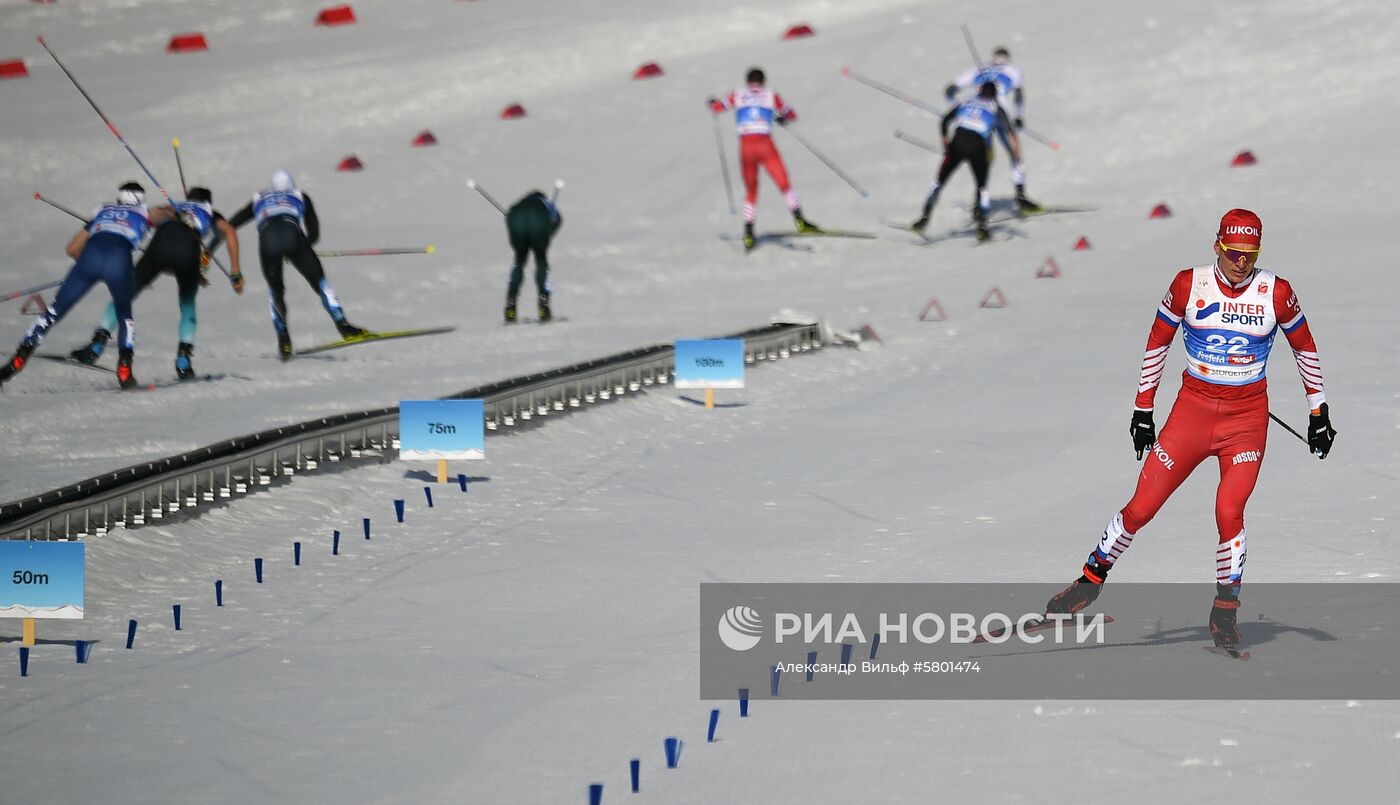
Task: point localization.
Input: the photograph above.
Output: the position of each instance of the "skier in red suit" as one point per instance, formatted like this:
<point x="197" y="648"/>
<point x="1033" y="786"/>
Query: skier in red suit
<point x="1231" y="311"/>
<point x="756" y="109"/>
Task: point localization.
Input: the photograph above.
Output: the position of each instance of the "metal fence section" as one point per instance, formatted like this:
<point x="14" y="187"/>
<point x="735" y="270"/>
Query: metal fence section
<point x="150" y="491"/>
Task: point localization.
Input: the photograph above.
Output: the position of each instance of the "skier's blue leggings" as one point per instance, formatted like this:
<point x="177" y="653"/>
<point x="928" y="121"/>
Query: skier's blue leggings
<point x="105" y="259"/>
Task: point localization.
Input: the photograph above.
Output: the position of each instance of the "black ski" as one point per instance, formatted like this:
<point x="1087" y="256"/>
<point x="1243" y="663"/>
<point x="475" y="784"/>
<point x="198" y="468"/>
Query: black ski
<point x="1232" y="653"/>
<point x="532" y="320"/>
<point x="71" y="361"/>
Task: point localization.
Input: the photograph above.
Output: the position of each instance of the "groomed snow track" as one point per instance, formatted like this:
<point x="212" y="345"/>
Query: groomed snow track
<point x="150" y="491"/>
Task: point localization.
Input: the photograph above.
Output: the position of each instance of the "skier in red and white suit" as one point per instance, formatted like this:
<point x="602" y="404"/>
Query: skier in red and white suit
<point x="1231" y="311"/>
<point x="756" y="109"/>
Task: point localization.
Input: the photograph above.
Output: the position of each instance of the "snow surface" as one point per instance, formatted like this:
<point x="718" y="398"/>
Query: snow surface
<point x="528" y="638"/>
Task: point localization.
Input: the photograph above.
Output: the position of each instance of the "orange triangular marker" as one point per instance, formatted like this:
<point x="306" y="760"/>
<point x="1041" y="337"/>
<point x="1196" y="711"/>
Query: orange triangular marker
<point x="1082" y="245"/>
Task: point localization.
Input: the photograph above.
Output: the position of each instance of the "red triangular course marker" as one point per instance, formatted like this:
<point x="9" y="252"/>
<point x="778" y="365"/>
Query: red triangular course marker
<point x="512" y="112"/>
<point x="937" y="311"/>
<point x="1049" y="269"/>
<point x="1082" y="245"/>
<point x="994" y="298"/>
<point x="1160" y="211"/>
<point x="799" y="31"/>
<point x="649" y="70"/>
<point x="1243" y="159"/>
<point x="424" y="137"/>
<point x="350" y="163"/>
<point x="867" y="333"/>
<point x="14" y="68"/>
<point x="336" y="15"/>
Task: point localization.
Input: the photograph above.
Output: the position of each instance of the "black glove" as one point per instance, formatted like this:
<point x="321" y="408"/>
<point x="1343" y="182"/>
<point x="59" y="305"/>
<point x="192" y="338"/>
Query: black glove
<point x="951" y="92"/>
<point x="1020" y="124"/>
<point x="1320" y="432"/>
<point x="1143" y="431"/>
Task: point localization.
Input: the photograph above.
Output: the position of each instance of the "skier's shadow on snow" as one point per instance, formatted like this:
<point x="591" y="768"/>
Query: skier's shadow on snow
<point x="774" y="239"/>
<point x="431" y="477"/>
<point x="1252" y="635"/>
<point x="694" y="401"/>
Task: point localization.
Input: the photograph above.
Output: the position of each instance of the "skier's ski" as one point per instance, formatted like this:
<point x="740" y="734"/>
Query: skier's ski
<point x="995" y="233"/>
<point x="175" y="382"/>
<point x="906" y="228"/>
<point x="833" y="233"/>
<point x="533" y="320"/>
<point x="71" y="361"/>
<point x="1063" y="209"/>
<point x="766" y="237"/>
<point x="371" y="337"/>
<point x="1232" y="653"/>
<point x="1029" y="629"/>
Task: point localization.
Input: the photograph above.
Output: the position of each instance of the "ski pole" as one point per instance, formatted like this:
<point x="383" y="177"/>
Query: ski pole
<point x="912" y="140"/>
<point x="558" y="185"/>
<point x="100" y="114"/>
<point x="1300" y="436"/>
<point x="723" y="165"/>
<point x="827" y="162"/>
<point x="891" y="91"/>
<point x="1040" y="138"/>
<point x="184" y="188"/>
<point x="27" y="291"/>
<point x="429" y="249"/>
<point x="56" y="205"/>
<point x="967" y="36"/>
<point x="478" y="188"/>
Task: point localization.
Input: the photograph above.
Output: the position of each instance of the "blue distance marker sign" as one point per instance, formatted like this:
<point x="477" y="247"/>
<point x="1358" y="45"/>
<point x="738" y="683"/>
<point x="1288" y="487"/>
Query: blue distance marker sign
<point x="712" y="364"/>
<point x="442" y="429"/>
<point x="41" y="579"/>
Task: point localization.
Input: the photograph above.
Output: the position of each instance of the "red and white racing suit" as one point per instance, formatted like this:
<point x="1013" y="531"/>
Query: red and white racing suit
<point x="1223" y="407"/>
<point x="755" y="109"/>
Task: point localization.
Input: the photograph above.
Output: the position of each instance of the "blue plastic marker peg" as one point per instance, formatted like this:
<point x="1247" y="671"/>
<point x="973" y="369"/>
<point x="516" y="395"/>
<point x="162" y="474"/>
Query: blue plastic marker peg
<point x="175" y="611"/>
<point x="774" y="675"/>
<point x="257" y="568"/>
<point x="398" y="510"/>
<point x="428" y="493"/>
<point x="366" y="528"/>
<point x="673" y="752"/>
<point x="218" y="592"/>
<point x="130" y="633"/>
<point x="636" y="765"/>
<point x="874" y="646"/>
<point x="811" y="660"/>
<point x="595" y="794"/>
<point x="845" y="653"/>
<point x="24" y="661"/>
<point x="82" y="648"/>
<point x="714" y="722"/>
<point x="335" y="543"/>
<point x="296" y="553"/>
<point x="743" y="702"/>
<point x="462" y="481"/>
